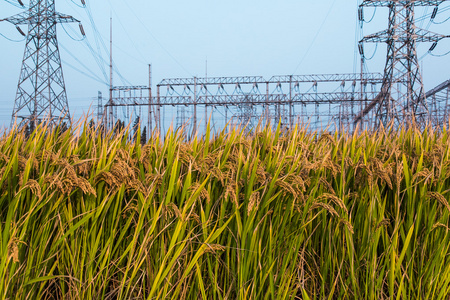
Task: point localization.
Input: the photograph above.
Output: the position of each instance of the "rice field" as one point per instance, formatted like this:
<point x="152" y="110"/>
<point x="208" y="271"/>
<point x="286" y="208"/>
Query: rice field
<point x="269" y="214"/>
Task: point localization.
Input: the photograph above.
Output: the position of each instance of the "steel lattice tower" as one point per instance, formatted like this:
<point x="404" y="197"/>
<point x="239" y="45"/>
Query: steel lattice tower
<point x="41" y="93"/>
<point x="402" y="97"/>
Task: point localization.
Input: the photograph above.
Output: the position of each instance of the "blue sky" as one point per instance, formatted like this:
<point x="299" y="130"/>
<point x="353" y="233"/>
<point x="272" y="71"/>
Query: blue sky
<point x="236" y="38"/>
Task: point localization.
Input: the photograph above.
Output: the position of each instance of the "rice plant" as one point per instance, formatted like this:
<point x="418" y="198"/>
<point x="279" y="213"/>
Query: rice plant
<point x="268" y="214"/>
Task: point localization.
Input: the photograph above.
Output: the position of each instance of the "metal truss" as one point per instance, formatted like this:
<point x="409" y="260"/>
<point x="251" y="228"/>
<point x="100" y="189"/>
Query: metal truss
<point x="439" y="99"/>
<point x="248" y="99"/>
<point x="369" y="77"/>
<point x="99" y="107"/>
<point x="41" y="93"/>
<point x="420" y="36"/>
<point x="127" y="96"/>
<point x="339" y="106"/>
<point x="439" y="88"/>
<point x="236" y="100"/>
<point x="379" y="3"/>
<point x="344" y="101"/>
<point x="212" y="80"/>
<point x="402" y="96"/>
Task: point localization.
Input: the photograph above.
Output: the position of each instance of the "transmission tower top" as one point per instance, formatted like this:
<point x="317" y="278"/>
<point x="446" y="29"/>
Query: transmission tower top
<point x="41" y="92"/>
<point x="402" y="98"/>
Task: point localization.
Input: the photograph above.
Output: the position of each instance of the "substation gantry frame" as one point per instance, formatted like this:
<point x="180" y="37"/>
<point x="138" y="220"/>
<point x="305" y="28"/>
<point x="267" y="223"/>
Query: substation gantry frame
<point x="314" y="99"/>
<point x="345" y="101"/>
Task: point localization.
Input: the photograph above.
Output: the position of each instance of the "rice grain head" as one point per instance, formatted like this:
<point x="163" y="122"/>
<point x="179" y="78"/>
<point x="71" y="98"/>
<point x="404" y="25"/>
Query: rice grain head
<point x="440" y="198"/>
<point x="173" y="209"/>
<point x="287" y="187"/>
<point x="425" y="174"/>
<point x="336" y="200"/>
<point x="326" y="184"/>
<point x="213" y="248"/>
<point x="326" y="207"/>
<point x="383" y="223"/>
<point x="347" y="224"/>
<point x="399" y="174"/>
<point x="230" y="192"/>
<point x="35" y="188"/>
<point x="13" y="250"/>
<point x="253" y="203"/>
<point x="4" y="158"/>
<point x="440" y="225"/>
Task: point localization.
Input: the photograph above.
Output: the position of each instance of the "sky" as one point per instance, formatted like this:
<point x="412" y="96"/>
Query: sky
<point x="223" y="38"/>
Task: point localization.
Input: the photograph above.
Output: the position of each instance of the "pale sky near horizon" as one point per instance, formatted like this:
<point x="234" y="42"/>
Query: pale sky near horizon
<point x="236" y="38"/>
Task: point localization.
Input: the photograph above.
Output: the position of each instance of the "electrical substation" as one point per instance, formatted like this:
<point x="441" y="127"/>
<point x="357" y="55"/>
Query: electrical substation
<point x="334" y="101"/>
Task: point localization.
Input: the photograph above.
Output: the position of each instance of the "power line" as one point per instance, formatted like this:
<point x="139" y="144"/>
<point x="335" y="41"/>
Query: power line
<point x="315" y="38"/>
<point x="438" y="55"/>
<point x="15" y="4"/>
<point x="85" y="74"/>
<point x="71" y="37"/>
<point x="93" y="75"/>
<point x="80" y="6"/>
<point x="154" y="37"/>
<point x="127" y="34"/>
<point x="98" y="56"/>
<point x="11" y="40"/>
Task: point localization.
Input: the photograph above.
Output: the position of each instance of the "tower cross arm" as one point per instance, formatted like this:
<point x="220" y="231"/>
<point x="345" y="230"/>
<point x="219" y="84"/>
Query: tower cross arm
<point x="420" y="35"/>
<point x="25" y="19"/>
<point x="384" y="3"/>
<point x="19" y="19"/>
<point x="62" y="18"/>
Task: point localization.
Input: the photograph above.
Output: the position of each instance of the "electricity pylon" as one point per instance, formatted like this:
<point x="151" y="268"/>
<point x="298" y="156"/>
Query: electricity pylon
<point x="41" y="92"/>
<point x="402" y="97"/>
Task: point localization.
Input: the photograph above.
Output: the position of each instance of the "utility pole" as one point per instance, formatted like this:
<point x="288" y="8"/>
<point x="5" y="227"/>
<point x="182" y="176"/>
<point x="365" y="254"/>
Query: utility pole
<point x="111" y="71"/>
<point x="150" y="101"/>
<point x="206" y="94"/>
<point x="267" y="105"/>
<point x="41" y="92"/>
<point x="195" y="106"/>
<point x="99" y="107"/>
<point x="402" y="98"/>
<point x="291" y="117"/>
